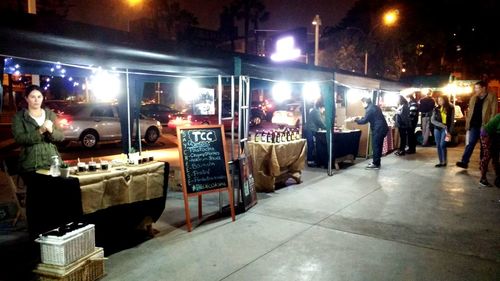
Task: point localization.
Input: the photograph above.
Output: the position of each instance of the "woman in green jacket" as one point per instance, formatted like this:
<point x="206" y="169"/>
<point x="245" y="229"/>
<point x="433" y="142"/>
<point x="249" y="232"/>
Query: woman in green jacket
<point x="35" y="129"/>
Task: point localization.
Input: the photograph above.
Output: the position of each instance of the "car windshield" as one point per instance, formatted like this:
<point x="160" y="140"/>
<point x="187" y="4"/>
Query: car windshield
<point x="73" y="109"/>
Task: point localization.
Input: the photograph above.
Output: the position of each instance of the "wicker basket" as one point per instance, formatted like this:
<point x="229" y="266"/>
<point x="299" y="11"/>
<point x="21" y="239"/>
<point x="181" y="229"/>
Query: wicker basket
<point x="89" y="268"/>
<point x="69" y="248"/>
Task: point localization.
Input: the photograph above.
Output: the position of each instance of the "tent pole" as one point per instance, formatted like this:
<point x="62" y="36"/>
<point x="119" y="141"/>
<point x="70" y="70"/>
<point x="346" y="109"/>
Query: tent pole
<point x="129" y="140"/>
<point x="219" y="111"/>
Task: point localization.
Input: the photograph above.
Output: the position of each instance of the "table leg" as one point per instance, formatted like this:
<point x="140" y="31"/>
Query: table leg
<point x="200" y="206"/>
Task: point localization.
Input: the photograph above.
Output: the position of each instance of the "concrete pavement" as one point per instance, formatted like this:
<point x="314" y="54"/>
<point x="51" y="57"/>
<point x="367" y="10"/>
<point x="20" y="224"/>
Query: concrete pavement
<point x="407" y="221"/>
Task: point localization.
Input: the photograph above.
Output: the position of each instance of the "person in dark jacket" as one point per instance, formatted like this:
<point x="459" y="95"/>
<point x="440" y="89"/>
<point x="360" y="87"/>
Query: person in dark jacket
<point x="313" y="124"/>
<point x="35" y="129"/>
<point x="379" y="128"/>
<point x="426" y="107"/>
<point x="442" y="118"/>
<point x="412" y="138"/>
<point x="402" y="122"/>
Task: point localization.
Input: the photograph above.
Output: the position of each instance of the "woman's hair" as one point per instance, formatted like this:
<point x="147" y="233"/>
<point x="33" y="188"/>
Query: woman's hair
<point x="402" y="100"/>
<point x="30" y="89"/>
<point x="319" y="104"/>
<point x="446" y="101"/>
<point x="481" y="84"/>
<point x="366" y="100"/>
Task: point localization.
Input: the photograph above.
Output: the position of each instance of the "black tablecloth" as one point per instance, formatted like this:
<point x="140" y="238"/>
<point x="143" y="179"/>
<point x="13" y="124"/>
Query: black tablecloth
<point x="344" y="143"/>
<point x="53" y="201"/>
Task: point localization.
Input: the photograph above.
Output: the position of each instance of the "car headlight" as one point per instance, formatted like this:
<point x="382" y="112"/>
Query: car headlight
<point x="158" y="123"/>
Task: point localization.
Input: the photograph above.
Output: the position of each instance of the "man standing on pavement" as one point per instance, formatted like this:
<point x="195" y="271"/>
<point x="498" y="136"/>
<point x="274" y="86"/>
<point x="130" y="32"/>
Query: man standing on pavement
<point x="314" y="123"/>
<point x="426" y="107"/>
<point x="412" y="139"/>
<point x="379" y="129"/>
<point x="482" y="108"/>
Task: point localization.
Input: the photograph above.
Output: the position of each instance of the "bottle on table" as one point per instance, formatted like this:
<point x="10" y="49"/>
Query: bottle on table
<point x="257" y="136"/>
<point x="297" y="134"/>
<point x="283" y="136"/>
<point x="269" y="137"/>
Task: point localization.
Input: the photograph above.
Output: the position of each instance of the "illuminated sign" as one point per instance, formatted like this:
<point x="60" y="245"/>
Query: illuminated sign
<point x="286" y="49"/>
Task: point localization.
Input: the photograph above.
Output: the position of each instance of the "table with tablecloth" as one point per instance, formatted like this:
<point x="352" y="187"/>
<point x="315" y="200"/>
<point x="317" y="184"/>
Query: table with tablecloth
<point x="121" y="198"/>
<point x="345" y="147"/>
<point x="277" y="162"/>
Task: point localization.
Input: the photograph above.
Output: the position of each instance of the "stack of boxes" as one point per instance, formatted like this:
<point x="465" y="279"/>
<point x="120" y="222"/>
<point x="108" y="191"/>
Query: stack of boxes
<point x="68" y="253"/>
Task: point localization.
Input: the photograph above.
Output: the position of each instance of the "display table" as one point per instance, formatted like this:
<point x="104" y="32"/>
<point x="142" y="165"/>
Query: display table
<point x="116" y="200"/>
<point x="345" y="147"/>
<point x="276" y="162"/>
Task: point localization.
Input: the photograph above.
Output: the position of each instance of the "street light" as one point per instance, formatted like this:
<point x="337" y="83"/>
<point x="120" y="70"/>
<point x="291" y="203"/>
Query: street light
<point x="316" y="22"/>
<point x="133" y="3"/>
<point x="389" y="19"/>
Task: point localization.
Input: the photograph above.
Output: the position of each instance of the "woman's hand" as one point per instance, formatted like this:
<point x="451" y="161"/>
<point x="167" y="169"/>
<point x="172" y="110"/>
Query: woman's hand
<point x="49" y="126"/>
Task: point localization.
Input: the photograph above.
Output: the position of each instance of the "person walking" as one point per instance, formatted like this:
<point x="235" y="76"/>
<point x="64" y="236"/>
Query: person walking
<point x="313" y="124"/>
<point x="482" y="108"/>
<point x="412" y="138"/>
<point x="490" y="142"/>
<point x="379" y="129"/>
<point x="443" y="117"/>
<point x="426" y="107"/>
<point x="402" y="122"/>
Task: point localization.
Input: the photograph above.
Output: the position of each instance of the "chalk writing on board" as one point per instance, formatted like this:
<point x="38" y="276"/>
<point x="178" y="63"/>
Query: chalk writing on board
<point x="203" y="157"/>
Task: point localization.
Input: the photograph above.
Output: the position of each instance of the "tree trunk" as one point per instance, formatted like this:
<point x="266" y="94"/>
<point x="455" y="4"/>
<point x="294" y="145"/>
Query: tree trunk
<point x="256" y="35"/>
<point x="247" y="29"/>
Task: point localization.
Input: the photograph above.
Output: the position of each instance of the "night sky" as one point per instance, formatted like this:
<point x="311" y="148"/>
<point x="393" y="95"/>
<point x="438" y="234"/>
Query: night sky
<point x="285" y="14"/>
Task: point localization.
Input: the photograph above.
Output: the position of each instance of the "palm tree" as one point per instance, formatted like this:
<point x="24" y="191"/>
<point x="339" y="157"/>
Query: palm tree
<point x="227" y="24"/>
<point x="56" y="8"/>
<point x="171" y="15"/>
<point x="251" y="12"/>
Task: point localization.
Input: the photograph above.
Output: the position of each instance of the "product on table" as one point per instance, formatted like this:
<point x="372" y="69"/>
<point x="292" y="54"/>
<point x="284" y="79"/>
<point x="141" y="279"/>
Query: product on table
<point x="92" y="166"/>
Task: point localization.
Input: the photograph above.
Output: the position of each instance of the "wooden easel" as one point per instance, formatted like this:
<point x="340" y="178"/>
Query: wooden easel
<point x="187" y="195"/>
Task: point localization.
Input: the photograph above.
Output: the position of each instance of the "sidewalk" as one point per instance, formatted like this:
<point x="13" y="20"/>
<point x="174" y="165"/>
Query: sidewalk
<point x="407" y="221"/>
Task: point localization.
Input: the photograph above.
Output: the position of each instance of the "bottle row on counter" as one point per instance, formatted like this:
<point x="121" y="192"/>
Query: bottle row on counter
<point x="274" y="136"/>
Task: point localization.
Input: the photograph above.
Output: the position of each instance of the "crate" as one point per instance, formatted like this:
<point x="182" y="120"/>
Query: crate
<point x="68" y="248"/>
<point x="88" y="268"/>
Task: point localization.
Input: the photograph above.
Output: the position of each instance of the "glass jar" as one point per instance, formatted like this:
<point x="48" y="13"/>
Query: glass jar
<point x="54" y="166"/>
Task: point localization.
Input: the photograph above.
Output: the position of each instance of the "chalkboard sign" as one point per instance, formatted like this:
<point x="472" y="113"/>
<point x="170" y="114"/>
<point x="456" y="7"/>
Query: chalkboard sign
<point x="203" y="162"/>
<point x="203" y="159"/>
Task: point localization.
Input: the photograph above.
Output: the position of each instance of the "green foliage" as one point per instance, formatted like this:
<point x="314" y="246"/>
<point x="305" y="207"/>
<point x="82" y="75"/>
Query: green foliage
<point x="430" y="37"/>
<point x="170" y="15"/>
<point x="250" y="12"/>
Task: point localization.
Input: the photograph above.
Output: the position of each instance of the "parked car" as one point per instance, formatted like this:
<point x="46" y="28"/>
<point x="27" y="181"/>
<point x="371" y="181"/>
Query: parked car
<point x="214" y="118"/>
<point x="160" y="112"/>
<point x="288" y="115"/>
<point x="57" y="106"/>
<point x="179" y="119"/>
<point x="93" y="123"/>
